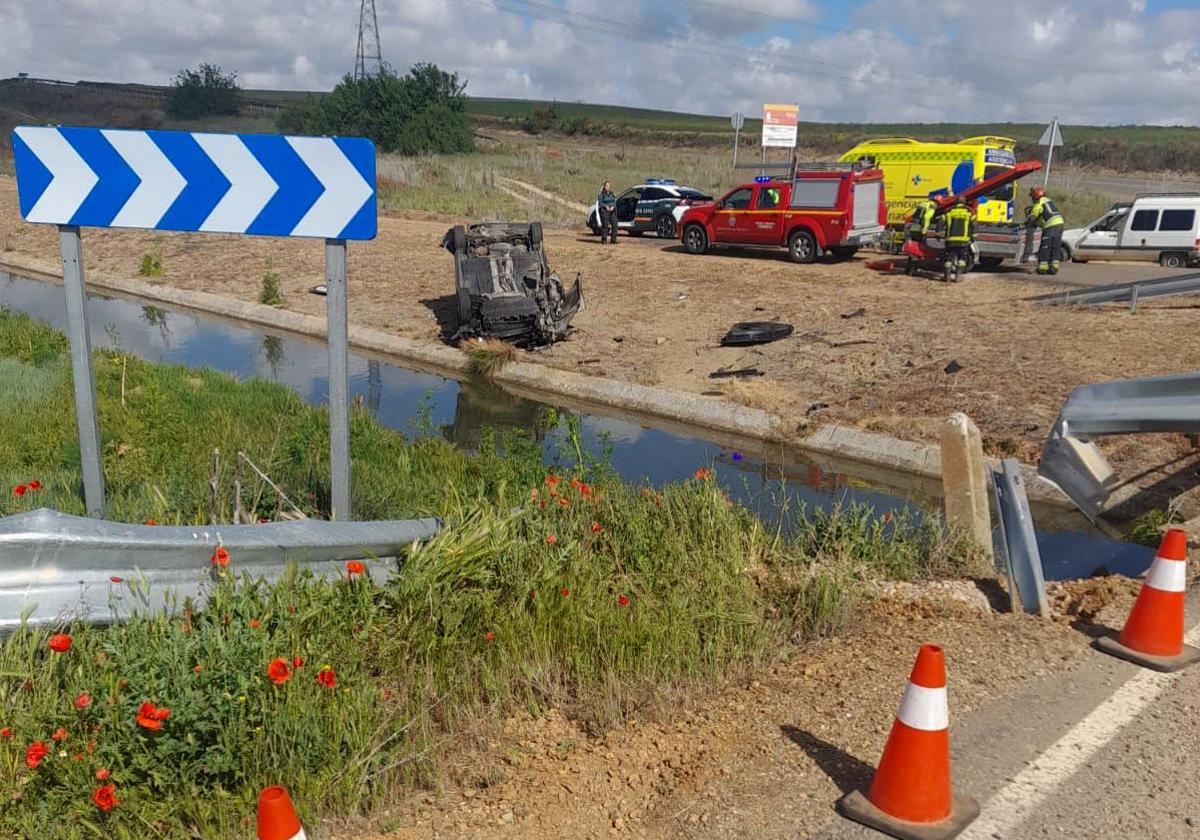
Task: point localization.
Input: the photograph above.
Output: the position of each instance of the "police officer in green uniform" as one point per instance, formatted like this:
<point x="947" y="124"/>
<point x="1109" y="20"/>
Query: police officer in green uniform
<point x="960" y="233"/>
<point x="606" y="207"/>
<point x="1045" y="215"/>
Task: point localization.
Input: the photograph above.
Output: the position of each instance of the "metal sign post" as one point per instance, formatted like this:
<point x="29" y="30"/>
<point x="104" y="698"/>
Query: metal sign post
<point x="81" y="370"/>
<point x="256" y="184"/>
<point x="1051" y="137"/>
<point x="737" y="121"/>
<point x="339" y="375"/>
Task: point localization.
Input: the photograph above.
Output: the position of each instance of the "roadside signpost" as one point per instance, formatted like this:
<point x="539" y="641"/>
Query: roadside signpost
<point x="737" y="121"/>
<point x="254" y="184"/>
<point x="779" y="129"/>
<point x="1051" y="137"/>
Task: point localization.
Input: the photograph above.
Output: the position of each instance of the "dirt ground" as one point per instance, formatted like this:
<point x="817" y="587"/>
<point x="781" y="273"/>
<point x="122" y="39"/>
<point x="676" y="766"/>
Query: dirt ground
<point x="764" y="757"/>
<point x="888" y="353"/>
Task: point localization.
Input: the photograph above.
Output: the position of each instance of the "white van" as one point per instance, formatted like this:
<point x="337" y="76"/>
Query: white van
<point x="1163" y="227"/>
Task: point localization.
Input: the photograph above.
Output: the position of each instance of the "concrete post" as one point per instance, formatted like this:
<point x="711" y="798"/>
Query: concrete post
<point x="964" y="484"/>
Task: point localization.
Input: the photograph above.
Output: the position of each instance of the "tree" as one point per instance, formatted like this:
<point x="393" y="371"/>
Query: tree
<point x="421" y="112"/>
<point x="203" y="92"/>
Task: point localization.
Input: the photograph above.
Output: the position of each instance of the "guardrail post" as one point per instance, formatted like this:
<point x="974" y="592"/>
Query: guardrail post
<point x="71" y="249"/>
<point x="339" y="374"/>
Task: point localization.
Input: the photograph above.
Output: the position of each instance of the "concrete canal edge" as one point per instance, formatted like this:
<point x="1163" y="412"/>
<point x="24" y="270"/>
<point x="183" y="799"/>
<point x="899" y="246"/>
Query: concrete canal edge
<point x="886" y="460"/>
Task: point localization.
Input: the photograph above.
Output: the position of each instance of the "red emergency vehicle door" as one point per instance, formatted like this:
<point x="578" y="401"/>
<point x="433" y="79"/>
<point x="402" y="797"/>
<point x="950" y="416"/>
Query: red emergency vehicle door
<point x="766" y="217"/>
<point x="731" y="223"/>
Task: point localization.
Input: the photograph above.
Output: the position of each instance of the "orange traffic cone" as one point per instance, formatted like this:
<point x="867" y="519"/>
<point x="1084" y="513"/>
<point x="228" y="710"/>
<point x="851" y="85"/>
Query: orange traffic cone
<point x="1153" y="634"/>
<point x="277" y="818"/>
<point x="910" y="795"/>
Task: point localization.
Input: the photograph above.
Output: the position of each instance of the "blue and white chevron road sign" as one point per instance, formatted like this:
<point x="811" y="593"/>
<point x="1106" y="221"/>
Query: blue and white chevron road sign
<point x="260" y="184"/>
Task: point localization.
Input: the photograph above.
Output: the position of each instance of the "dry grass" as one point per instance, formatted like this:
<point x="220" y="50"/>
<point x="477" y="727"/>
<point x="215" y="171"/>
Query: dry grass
<point x="486" y="356"/>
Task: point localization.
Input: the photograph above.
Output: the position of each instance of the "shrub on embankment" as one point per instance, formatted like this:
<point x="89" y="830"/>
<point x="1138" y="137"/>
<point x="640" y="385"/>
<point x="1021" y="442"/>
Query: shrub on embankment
<point x="550" y="586"/>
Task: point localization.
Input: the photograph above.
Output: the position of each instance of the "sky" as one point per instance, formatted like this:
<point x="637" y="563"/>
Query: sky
<point x="1084" y="61"/>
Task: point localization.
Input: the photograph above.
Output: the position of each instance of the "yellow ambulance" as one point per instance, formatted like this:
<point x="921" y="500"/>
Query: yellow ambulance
<point x="912" y="169"/>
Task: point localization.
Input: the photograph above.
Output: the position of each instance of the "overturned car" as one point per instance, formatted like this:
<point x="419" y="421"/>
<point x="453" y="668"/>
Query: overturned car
<point x="505" y="287"/>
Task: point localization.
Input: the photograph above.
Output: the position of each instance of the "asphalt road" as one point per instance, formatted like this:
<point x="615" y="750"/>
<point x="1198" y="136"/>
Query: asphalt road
<point x="1110" y="751"/>
<point x="1120" y="186"/>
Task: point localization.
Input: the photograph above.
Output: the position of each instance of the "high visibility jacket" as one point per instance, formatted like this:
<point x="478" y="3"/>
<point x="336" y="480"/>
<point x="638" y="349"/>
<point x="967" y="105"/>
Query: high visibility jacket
<point x="960" y="225"/>
<point x="922" y="216"/>
<point x="1044" y="214"/>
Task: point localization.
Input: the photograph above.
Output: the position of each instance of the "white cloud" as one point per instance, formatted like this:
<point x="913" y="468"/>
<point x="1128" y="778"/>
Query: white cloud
<point x="1106" y="61"/>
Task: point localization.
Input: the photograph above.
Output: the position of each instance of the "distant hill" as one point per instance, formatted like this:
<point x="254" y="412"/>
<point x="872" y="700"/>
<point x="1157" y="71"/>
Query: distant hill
<point x="1119" y="148"/>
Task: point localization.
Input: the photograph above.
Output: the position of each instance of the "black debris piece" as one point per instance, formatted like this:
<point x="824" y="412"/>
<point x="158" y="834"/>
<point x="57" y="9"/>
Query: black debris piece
<point x="817" y="406"/>
<point x="953" y="367"/>
<point x="857" y="313"/>
<point x="740" y="373"/>
<point x="746" y="333"/>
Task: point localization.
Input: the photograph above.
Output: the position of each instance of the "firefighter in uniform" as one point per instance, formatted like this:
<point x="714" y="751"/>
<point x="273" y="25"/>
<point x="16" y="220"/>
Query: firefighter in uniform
<point x="1045" y="215"/>
<point x="922" y="217"/>
<point x="606" y="205"/>
<point x="960" y="234"/>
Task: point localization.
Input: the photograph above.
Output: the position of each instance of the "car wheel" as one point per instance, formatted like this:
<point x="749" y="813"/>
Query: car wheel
<point x="695" y="240"/>
<point x="593" y="225"/>
<point x="1065" y="253"/>
<point x="1170" y="260"/>
<point x="802" y="248"/>
<point x="458" y="238"/>
<point x="665" y="226"/>
<point x="535" y="233"/>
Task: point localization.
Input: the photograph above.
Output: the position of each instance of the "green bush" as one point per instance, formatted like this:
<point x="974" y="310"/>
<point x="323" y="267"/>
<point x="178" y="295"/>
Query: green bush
<point x="422" y="112"/>
<point x="270" y="293"/>
<point x="203" y="92"/>
<point x="151" y="264"/>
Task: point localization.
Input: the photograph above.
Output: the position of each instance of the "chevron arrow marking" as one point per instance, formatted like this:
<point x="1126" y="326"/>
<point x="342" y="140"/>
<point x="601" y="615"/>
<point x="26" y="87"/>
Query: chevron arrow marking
<point x="345" y="189"/>
<point x="72" y="179"/>
<point x="160" y="184"/>
<point x="251" y="187"/>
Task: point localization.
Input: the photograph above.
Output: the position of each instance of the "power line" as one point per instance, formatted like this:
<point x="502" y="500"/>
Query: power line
<point x="368" y="60"/>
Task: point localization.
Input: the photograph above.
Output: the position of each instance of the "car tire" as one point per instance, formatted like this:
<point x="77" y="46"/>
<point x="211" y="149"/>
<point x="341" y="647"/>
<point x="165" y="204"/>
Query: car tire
<point x="593" y="224"/>
<point x="535" y="234"/>
<point x="664" y="226"/>
<point x="844" y="252"/>
<point x="695" y="239"/>
<point x="458" y="238"/>
<point x="1172" y="259"/>
<point x="1065" y="253"/>
<point x="802" y="247"/>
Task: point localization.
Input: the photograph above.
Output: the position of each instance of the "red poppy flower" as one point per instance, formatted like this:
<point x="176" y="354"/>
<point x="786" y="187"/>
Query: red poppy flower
<point x="564" y="501"/>
<point x="34" y="755"/>
<point x="101" y="775"/>
<point x="532" y="594"/>
<point x="6" y="733"/>
<point x="83" y="701"/>
<point x="327" y="678"/>
<point x="703" y="474"/>
<point x="622" y="600"/>
<point x="77" y="757"/>
<point x="35" y="485"/>
<point x="551" y="481"/>
<point x="584" y="489"/>
<point x="115" y="579"/>
<point x="278" y="671"/>
<point x="59" y="643"/>
<point x="151" y="717"/>
<point x="255" y="624"/>
<point x="552" y="539"/>
<point x="103" y="797"/>
<point x="297" y="661"/>
<point x="19" y="490"/>
<point x="597" y="527"/>
<point x="887" y="517"/>
<point x="151" y="522"/>
<point x="566" y="593"/>
<point x="488" y="635"/>
<point x="59" y="734"/>
<point x="198" y="668"/>
<point x="355" y="567"/>
<point x="575" y="482"/>
<point x="220" y="557"/>
<point x="542" y="504"/>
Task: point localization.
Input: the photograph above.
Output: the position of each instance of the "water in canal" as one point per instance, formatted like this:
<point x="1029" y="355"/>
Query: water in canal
<point x="461" y="411"/>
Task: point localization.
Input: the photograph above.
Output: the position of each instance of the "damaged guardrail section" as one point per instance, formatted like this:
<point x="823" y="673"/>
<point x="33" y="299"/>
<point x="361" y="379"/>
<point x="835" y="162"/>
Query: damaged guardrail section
<point x="55" y="566"/>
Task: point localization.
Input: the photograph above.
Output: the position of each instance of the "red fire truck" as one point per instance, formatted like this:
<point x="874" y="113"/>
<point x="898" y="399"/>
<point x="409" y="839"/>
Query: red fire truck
<point x="826" y="208"/>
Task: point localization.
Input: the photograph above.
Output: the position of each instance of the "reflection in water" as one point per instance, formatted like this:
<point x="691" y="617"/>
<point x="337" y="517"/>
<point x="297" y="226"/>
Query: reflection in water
<point x="395" y="395"/>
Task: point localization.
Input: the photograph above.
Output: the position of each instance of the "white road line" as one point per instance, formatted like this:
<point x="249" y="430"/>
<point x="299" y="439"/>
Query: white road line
<point x="1017" y="800"/>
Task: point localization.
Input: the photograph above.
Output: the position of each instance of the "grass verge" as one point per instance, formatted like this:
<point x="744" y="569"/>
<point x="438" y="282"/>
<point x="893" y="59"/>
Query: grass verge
<point x="551" y="586"/>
